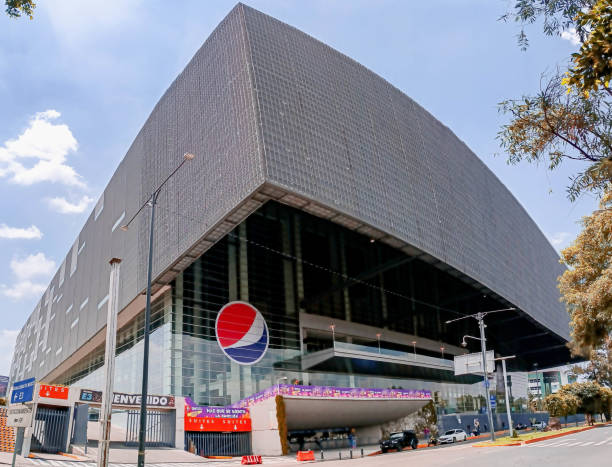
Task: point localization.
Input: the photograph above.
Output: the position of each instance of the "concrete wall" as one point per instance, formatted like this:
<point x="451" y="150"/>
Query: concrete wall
<point x="265" y="435"/>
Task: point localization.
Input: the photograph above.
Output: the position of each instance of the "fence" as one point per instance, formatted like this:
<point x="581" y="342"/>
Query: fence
<point x="159" y="431"/>
<point x="218" y="444"/>
<point x="50" y="430"/>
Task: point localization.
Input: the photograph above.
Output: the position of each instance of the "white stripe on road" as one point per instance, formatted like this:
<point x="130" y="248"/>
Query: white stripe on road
<point x="574" y="444"/>
<point x="587" y="443"/>
<point x="602" y="442"/>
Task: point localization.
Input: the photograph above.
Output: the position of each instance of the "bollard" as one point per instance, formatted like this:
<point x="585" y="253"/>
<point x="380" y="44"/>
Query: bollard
<point x="361" y="452"/>
<point x="339" y="455"/>
<point x="321" y="454"/>
<point x="351" y="453"/>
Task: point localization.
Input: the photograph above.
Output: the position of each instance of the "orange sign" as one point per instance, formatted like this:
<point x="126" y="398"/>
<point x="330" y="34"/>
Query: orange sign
<point x="217" y="424"/>
<point x="53" y="392"/>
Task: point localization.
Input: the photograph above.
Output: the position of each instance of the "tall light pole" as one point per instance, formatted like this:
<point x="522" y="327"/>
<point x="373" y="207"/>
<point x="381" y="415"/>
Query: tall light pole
<point x="152" y="201"/>
<point x="503" y="360"/>
<point x="414" y="348"/>
<point x="106" y="408"/>
<point x="333" y="329"/>
<point x="378" y="338"/>
<point x="483" y="348"/>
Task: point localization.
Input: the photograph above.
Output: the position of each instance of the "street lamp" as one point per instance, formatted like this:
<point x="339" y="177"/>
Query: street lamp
<point x="414" y="348"/>
<point x="378" y="338"/>
<point x="152" y="201"/>
<point x="483" y="348"/>
<point x="333" y="329"/>
<point x="442" y="350"/>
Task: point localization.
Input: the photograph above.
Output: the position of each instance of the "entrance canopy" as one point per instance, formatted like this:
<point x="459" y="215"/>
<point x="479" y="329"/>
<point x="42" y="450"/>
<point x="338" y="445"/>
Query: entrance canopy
<point x="314" y="413"/>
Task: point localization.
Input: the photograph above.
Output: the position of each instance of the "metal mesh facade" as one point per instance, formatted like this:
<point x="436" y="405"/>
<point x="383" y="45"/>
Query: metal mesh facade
<point x="262" y="103"/>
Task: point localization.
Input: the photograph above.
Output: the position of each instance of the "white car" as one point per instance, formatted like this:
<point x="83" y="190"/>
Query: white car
<point x="539" y="425"/>
<point x="452" y="436"/>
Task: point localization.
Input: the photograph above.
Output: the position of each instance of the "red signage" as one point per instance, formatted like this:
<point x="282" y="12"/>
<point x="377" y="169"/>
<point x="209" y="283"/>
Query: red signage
<point x="217" y="424"/>
<point x="53" y="392"/>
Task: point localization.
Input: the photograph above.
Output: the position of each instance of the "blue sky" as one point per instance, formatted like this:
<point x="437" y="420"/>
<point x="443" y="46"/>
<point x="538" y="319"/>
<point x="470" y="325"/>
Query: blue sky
<point x="78" y="82"/>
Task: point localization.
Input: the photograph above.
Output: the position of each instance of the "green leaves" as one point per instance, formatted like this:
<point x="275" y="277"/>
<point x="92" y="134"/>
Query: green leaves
<point x="555" y="125"/>
<point x="16" y="8"/>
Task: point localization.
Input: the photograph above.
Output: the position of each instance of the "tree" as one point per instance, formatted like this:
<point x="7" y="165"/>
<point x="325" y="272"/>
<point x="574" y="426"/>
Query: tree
<point x="554" y="126"/>
<point x="593" y="398"/>
<point x="586" y="286"/>
<point x="561" y="404"/>
<point x="592" y="65"/>
<point x="571" y="116"/>
<point x="16" y="8"/>
<point x="599" y="367"/>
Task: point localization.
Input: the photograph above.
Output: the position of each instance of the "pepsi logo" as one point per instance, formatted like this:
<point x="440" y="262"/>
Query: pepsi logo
<point x="242" y="333"/>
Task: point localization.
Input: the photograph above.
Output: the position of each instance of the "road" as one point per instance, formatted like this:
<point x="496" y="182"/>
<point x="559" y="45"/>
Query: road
<point x="592" y="448"/>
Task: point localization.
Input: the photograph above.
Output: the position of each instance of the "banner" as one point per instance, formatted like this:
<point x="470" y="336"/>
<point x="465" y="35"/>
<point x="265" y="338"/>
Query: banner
<point x="53" y="392"/>
<point x="199" y="418"/>
<point x="332" y="392"/>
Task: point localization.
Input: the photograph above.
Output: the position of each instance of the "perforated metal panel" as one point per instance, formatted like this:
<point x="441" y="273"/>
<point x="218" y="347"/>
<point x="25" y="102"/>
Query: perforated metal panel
<point x="266" y="107"/>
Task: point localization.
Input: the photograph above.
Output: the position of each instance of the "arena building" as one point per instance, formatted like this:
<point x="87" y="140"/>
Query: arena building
<point x="345" y="213"/>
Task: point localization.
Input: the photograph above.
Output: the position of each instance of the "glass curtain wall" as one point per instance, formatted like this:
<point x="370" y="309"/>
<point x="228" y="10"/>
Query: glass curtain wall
<point x="284" y="261"/>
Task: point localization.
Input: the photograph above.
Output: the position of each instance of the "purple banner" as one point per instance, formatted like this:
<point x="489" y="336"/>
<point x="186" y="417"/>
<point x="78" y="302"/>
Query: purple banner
<point x="289" y="390"/>
<point x="194" y="410"/>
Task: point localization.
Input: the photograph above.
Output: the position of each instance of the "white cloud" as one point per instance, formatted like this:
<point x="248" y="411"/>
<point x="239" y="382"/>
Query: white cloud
<point x="571" y="35"/>
<point x="39" y="153"/>
<point x="62" y="205"/>
<point x="28" y="233"/>
<point x="24" y="289"/>
<point x="7" y="345"/>
<point x="33" y="266"/>
<point x="31" y="274"/>
<point x="560" y="240"/>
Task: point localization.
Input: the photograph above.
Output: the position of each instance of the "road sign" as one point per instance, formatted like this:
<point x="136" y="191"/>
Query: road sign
<point x="23" y="391"/>
<point x="493" y="402"/>
<point x="19" y="415"/>
<point x="472" y="363"/>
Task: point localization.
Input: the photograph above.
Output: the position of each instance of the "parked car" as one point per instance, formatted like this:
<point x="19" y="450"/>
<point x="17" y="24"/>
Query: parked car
<point x="399" y="440"/>
<point x="520" y="426"/>
<point x="538" y="425"/>
<point x="452" y="436"/>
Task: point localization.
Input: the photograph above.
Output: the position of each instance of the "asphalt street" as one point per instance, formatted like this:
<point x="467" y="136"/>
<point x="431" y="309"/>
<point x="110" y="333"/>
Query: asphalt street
<point x="592" y="448"/>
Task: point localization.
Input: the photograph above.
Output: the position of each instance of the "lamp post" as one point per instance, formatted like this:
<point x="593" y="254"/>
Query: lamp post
<point x="503" y="360"/>
<point x="414" y="348"/>
<point x="333" y="329"/>
<point x="152" y="201"/>
<point x="483" y="348"/>
<point x="378" y="338"/>
<point x="442" y="351"/>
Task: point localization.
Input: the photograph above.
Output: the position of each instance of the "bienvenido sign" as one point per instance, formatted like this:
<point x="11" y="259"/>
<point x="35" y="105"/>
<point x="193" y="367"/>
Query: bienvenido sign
<point x="120" y="398"/>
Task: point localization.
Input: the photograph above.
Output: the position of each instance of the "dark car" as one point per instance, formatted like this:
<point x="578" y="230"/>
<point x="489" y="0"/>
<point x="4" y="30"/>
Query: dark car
<point x="399" y="440"/>
<point x="520" y="426"/>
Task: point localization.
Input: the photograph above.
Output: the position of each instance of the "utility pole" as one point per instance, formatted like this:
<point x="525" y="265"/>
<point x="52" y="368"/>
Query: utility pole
<point x="109" y="363"/>
<point x="152" y="201"/>
<point x="483" y="348"/>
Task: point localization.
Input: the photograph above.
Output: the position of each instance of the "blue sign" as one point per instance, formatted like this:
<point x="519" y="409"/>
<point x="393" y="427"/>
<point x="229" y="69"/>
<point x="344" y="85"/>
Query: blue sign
<point x="493" y="402"/>
<point x="23" y="391"/>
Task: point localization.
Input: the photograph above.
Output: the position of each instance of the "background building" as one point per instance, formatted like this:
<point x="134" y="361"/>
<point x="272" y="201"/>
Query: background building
<point x="353" y="220"/>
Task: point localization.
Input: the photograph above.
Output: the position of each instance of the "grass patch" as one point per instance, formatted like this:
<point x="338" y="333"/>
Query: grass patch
<point x="528" y="436"/>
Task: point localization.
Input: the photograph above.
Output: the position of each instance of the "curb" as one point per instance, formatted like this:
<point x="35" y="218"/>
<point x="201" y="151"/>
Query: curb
<point x="536" y="440"/>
